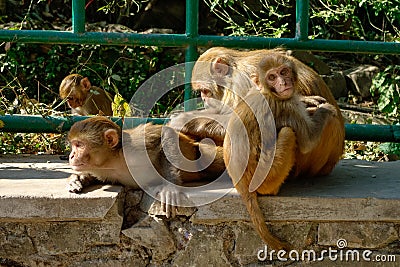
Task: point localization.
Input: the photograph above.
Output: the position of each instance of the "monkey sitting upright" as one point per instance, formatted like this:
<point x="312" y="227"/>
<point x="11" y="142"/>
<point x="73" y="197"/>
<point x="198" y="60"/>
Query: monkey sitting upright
<point x="83" y="98"/>
<point x="100" y="150"/>
<point x="277" y="79"/>
<point x="218" y="82"/>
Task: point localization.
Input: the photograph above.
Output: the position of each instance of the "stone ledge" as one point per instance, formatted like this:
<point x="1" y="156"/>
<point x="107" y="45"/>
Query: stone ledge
<point x="34" y="188"/>
<point x="355" y="191"/>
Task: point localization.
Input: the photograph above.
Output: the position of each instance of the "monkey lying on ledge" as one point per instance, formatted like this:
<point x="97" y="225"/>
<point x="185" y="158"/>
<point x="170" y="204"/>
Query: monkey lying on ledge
<point x="100" y="150"/>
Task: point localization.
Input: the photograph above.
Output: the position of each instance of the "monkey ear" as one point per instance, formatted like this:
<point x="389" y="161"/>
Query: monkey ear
<point x="255" y="79"/>
<point x="220" y="67"/>
<point x="86" y="84"/>
<point x="111" y="137"/>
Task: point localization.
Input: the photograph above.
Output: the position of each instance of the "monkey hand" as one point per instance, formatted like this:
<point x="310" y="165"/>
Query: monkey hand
<point x="76" y="182"/>
<point x="313" y="101"/>
<point x="171" y="198"/>
<point x="329" y="108"/>
<point x="179" y="121"/>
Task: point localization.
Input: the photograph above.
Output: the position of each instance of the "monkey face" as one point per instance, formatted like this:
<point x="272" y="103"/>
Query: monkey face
<point x="74" y="101"/>
<point x="86" y="157"/>
<point x="280" y="81"/>
<point x="79" y="158"/>
<point x="211" y="94"/>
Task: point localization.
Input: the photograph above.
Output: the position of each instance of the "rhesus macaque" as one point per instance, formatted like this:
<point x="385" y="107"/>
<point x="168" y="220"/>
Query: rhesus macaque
<point x="216" y="83"/>
<point x="213" y="80"/>
<point x="83" y="98"/>
<point x="100" y="150"/>
<point x="278" y="83"/>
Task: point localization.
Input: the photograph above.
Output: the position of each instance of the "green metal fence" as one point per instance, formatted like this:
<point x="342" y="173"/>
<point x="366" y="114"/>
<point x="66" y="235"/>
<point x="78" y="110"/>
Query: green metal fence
<point x="190" y="41"/>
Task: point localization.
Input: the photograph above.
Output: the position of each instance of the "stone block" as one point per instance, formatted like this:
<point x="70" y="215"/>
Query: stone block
<point x="203" y="249"/>
<point x="361" y="77"/>
<point x="357" y="234"/>
<point x="248" y="242"/>
<point x="337" y="84"/>
<point x="152" y="233"/>
<point x="14" y="240"/>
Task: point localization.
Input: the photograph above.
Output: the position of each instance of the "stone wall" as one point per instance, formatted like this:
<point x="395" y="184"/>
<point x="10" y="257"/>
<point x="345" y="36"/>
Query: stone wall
<point x="355" y="208"/>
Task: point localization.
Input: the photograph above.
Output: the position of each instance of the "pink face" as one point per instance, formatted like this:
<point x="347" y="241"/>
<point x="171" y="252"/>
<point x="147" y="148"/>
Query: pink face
<point x="280" y="80"/>
<point x="79" y="157"/>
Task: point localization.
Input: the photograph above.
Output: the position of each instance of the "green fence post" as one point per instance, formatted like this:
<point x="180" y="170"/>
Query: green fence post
<point x="302" y="7"/>
<point x="78" y="16"/>
<point x="192" y="32"/>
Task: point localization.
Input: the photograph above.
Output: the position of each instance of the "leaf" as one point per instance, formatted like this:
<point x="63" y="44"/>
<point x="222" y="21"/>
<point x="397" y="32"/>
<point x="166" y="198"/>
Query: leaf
<point x="120" y="107"/>
<point x="116" y="77"/>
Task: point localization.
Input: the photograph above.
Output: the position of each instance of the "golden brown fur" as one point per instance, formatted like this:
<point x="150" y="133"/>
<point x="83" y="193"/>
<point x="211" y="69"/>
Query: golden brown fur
<point x="98" y="151"/>
<point x="292" y="122"/>
<point x="289" y="160"/>
<point x="83" y="98"/>
<point x="319" y="161"/>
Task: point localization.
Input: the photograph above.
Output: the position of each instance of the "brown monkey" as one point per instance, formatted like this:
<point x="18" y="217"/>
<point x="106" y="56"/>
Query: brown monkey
<point x="221" y="86"/>
<point x="83" y="98"/>
<point x="278" y="83"/>
<point x="216" y="83"/>
<point x="100" y="150"/>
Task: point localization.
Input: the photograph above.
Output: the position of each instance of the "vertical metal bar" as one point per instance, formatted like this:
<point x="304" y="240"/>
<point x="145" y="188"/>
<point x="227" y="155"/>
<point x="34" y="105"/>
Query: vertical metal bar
<point x="302" y="8"/>
<point x="192" y="32"/>
<point x="78" y="16"/>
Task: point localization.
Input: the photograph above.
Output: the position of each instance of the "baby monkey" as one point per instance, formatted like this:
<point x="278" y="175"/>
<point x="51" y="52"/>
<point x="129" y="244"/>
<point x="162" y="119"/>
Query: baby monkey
<point x="83" y="98"/>
<point x="298" y="131"/>
<point x="101" y="150"/>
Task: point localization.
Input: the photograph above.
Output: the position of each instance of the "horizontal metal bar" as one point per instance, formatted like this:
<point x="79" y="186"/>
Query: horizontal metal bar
<point x="292" y="43"/>
<point x="56" y="124"/>
<point x="375" y="133"/>
<point x="181" y="40"/>
<point x="53" y="124"/>
<point x="102" y="38"/>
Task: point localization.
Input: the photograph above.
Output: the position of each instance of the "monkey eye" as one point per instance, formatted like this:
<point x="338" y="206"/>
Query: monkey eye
<point x="271" y="77"/>
<point x="285" y="72"/>
<point x="78" y="144"/>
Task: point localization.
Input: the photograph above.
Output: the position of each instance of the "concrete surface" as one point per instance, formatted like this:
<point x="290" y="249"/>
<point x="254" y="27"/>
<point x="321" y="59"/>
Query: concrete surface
<point x="34" y="186"/>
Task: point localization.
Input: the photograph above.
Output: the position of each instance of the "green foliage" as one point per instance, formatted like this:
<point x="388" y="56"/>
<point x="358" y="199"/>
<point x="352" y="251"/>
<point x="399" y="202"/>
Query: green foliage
<point x="30" y="143"/>
<point x="35" y="71"/>
<point x="356" y="19"/>
<point x="262" y="18"/>
<point x="391" y="148"/>
<point x="385" y="85"/>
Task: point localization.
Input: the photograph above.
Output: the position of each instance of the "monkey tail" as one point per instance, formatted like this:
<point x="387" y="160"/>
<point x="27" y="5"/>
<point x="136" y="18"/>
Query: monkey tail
<point x="251" y="201"/>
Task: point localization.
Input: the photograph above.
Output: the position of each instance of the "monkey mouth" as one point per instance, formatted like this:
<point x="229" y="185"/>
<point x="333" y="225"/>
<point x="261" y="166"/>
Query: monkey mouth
<point x="78" y="167"/>
<point x="285" y="92"/>
<point x="73" y="105"/>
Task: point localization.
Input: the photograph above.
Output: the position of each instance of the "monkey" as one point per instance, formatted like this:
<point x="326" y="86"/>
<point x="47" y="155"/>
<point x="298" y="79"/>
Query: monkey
<point x="212" y="77"/>
<point x="278" y="82"/>
<point x="100" y="150"/>
<point x="279" y="92"/>
<point x="210" y="80"/>
<point x="83" y="98"/>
